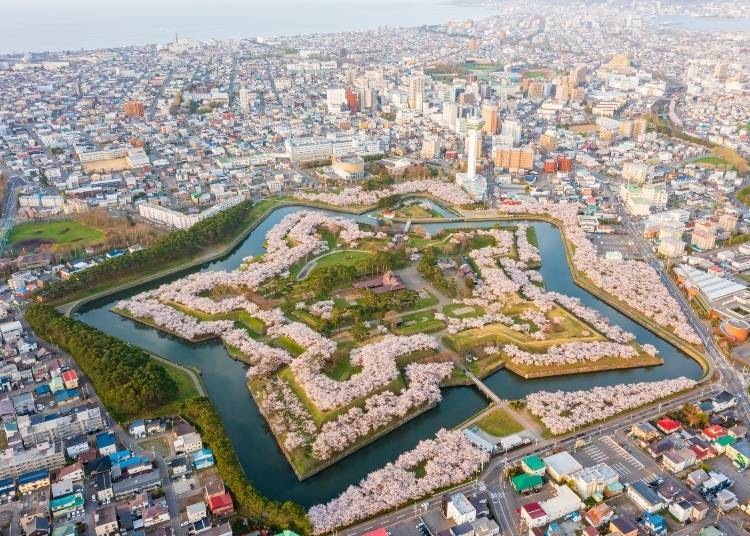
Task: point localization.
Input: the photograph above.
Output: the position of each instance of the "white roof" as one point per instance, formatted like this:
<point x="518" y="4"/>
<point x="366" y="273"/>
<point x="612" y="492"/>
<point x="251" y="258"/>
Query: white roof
<point x="563" y="463"/>
<point x="712" y="286"/>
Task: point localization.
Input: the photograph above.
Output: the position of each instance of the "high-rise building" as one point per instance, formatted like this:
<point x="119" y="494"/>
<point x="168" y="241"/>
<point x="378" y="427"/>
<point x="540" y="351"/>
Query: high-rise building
<point x="720" y="71"/>
<point x="562" y="89"/>
<point x="513" y="158"/>
<point x="450" y="114"/>
<point x="577" y="76"/>
<point x="474" y="184"/>
<point x="548" y="140"/>
<point x="489" y="116"/>
<point x="244" y="99"/>
<point x="335" y="99"/>
<point x="133" y="108"/>
<point x="352" y="101"/>
<point x="728" y="220"/>
<point x="704" y="234"/>
<point x="416" y="90"/>
<point x="512" y="128"/>
<point x="430" y="147"/>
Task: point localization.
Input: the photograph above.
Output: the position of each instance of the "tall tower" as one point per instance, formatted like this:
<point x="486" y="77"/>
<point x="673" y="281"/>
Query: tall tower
<point x="475" y="185"/>
<point x="473" y="130"/>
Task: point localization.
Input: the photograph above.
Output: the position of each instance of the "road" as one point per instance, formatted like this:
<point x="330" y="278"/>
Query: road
<point x="124" y="439"/>
<point x="734" y="381"/>
<point x="492" y="477"/>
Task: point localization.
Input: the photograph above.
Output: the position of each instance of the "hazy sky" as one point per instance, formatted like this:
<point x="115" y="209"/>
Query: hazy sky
<point x="68" y="24"/>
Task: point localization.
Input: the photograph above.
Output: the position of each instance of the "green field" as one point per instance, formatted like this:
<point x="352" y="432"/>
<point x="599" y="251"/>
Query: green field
<point x="714" y="162"/>
<point x="343" y="258"/>
<point x="56" y="232"/>
<point x="535" y="74"/>
<point x="499" y="423"/>
<point x="421" y="322"/>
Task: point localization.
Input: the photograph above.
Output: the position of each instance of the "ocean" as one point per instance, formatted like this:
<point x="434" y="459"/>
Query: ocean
<point x="44" y="25"/>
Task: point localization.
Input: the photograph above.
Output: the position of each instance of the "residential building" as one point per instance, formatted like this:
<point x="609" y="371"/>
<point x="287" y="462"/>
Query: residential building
<point x="45" y="456"/>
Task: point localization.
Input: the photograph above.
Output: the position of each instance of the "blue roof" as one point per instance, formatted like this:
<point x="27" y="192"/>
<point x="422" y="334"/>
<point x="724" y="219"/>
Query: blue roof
<point x="120" y="455"/>
<point x="67" y="394"/>
<point x="7" y="483"/>
<point x="124" y="464"/>
<point x="203" y="453"/>
<point x="42" y="389"/>
<point x="33" y="475"/>
<point x="105" y="439"/>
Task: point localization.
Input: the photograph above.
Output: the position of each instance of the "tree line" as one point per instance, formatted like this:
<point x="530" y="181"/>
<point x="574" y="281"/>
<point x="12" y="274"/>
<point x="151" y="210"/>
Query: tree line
<point x="202" y="414"/>
<point x="128" y="381"/>
<point x="174" y="246"/>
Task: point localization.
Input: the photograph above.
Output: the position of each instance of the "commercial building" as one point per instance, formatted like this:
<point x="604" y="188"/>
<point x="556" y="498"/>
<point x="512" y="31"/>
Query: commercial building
<point x="181" y="220"/>
<point x="561" y="466"/>
<point x="639" y="200"/>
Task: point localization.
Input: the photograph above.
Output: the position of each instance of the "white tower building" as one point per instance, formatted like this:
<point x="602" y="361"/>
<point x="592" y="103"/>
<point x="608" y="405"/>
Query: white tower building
<point x="475" y="185"/>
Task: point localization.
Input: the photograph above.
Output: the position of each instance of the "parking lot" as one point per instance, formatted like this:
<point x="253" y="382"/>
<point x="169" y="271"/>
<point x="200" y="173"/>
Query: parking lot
<point x="741" y="486"/>
<point x="615" y="242"/>
<point x="606" y="449"/>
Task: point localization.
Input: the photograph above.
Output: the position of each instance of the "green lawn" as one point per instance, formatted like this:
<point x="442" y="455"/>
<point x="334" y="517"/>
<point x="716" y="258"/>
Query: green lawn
<point x="421" y="322"/>
<point x="289" y="345"/>
<point x="58" y="232"/>
<point x="343" y="258"/>
<point x="464" y="311"/>
<point x="499" y="423"/>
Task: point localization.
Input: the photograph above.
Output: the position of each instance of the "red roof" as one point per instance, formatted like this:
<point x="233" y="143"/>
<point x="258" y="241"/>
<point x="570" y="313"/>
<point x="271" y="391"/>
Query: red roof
<point x="377" y="532"/>
<point x="221" y="504"/>
<point x="714" y="431"/>
<point x="69" y="375"/>
<point x="668" y="425"/>
<point x="534" y="510"/>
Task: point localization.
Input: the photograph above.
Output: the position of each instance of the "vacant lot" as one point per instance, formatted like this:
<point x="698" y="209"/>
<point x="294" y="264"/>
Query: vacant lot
<point x="56" y="232"/>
